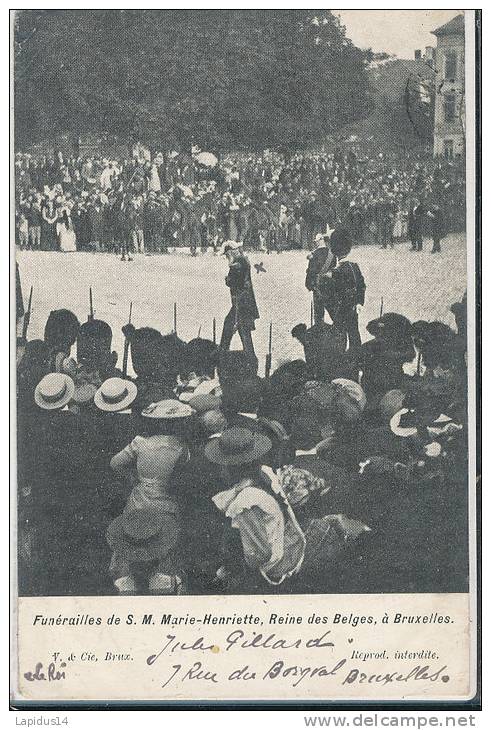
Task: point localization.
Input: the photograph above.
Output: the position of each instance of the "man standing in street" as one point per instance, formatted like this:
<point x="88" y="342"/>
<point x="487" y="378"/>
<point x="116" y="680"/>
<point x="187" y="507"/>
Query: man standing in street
<point x="244" y="311"/>
<point x="415" y="225"/>
<point x="321" y="261"/>
<point x="437" y="227"/>
<point x="34" y="218"/>
<point x="348" y="289"/>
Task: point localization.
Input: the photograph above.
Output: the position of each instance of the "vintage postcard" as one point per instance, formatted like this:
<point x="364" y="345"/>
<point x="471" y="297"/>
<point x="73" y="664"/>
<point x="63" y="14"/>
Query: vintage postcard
<point x="243" y="254"/>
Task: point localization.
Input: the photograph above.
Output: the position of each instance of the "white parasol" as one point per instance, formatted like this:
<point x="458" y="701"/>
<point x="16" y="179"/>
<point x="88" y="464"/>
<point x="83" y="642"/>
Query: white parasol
<point x="207" y="159"/>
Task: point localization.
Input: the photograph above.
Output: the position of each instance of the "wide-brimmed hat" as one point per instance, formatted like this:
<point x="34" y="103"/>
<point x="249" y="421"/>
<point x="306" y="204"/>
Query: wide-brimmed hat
<point x="353" y="390"/>
<point x="237" y="446"/>
<point x="115" y="394"/>
<point x="54" y="391"/>
<point x="198" y="386"/>
<point x="391" y="403"/>
<point x="204" y="402"/>
<point x="392" y="326"/>
<point x="143" y="535"/>
<point x="168" y="409"/>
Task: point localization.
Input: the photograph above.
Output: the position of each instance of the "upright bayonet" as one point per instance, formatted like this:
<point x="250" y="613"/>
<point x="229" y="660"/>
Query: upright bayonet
<point x="270" y="351"/>
<point x="91" y="306"/>
<point x="27" y="318"/>
<point x="126" y="347"/>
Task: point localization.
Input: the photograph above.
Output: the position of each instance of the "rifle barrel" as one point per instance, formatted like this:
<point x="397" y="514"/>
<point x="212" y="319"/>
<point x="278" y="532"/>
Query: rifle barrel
<point x="127" y="346"/>
<point x="267" y="369"/>
<point x="27" y="317"/>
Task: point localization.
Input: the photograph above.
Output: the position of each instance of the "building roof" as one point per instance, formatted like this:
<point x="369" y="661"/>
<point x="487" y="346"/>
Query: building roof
<point x="453" y="27"/>
<point x="419" y="67"/>
<point x="390" y="80"/>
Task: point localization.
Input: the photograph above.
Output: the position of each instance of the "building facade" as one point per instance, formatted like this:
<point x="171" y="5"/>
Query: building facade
<point x="449" y="130"/>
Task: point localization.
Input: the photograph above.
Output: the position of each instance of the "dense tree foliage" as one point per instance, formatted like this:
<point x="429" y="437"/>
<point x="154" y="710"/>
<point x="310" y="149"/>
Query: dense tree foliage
<point x="223" y="77"/>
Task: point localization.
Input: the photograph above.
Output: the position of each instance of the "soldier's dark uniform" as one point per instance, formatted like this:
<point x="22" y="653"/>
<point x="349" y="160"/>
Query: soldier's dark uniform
<point x="320" y="260"/>
<point x="244" y="311"/>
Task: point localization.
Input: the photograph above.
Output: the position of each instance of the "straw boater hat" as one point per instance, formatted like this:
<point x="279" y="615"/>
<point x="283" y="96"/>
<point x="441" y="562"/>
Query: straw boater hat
<point x="143" y="535"/>
<point x="115" y="394"/>
<point x="237" y="446"/>
<point x="54" y="391"/>
<point x="168" y="410"/>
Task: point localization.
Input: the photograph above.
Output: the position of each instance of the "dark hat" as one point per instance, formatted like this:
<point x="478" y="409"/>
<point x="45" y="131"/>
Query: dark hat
<point x="420" y="331"/>
<point x="288" y="379"/>
<point x="201" y="346"/>
<point x="242" y="396"/>
<point x="94" y="338"/>
<point x="460" y="308"/>
<point x="199" y="356"/>
<point x="432" y="333"/>
<point x="144" y="535"/>
<point x="341" y="242"/>
<point x="145" y="335"/>
<point x="237" y="446"/>
<point x="97" y="329"/>
<point x="61" y="326"/>
<point x="299" y="331"/>
<point x="391" y="326"/>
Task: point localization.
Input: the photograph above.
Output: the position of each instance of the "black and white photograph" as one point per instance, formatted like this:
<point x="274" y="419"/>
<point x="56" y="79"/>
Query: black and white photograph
<point x="241" y="273"/>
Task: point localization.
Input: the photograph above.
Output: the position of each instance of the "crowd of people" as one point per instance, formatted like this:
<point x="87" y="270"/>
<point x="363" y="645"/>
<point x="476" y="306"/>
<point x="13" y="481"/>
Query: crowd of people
<point x="344" y="471"/>
<point x="155" y="202"/>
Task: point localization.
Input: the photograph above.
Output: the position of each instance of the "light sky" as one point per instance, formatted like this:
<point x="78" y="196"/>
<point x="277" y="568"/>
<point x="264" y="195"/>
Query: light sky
<point x="394" y="31"/>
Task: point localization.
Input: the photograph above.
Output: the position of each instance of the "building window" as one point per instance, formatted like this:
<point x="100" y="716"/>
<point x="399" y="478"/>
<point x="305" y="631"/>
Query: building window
<point x="449" y="108"/>
<point x="450" y="65"/>
<point x="448" y="149"/>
